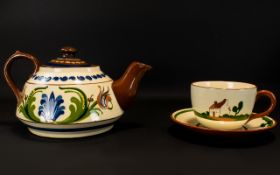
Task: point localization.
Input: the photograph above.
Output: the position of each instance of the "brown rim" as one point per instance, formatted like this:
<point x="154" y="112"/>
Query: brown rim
<point x="193" y="84"/>
<point x="209" y="131"/>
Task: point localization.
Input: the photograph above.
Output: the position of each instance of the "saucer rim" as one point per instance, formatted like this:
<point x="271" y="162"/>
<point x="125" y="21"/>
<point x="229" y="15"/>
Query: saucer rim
<point x="215" y="130"/>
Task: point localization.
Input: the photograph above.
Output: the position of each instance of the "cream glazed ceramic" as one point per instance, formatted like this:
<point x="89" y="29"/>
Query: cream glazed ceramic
<point x="225" y="105"/>
<point x="70" y="90"/>
<point x="69" y="98"/>
<point x="187" y="118"/>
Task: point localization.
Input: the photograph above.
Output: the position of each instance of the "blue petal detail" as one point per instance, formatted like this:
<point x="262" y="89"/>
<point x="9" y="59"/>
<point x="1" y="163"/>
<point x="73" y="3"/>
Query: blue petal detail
<point x="94" y="77"/>
<point x="72" y="78"/>
<point x="81" y="78"/>
<point x="64" y="78"/>
<point x="40" y="77"/>
<point x="48" y="79"/>
<point x="51" y="108"/>
<point x="88" y="77"/>
<point x="98" y="76"/>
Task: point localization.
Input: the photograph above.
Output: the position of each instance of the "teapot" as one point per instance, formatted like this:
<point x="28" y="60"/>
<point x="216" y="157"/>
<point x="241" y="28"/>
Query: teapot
<point x="69" y="98"/>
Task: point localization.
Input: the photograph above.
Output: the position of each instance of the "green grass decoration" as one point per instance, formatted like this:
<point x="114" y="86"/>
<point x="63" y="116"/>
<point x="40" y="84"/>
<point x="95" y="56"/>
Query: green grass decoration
<point x="268" y="122"/>
<point x="236" y="116"/>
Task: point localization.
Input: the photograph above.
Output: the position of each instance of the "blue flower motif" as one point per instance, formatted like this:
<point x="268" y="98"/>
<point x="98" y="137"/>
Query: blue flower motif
<point x="50" y="108"/>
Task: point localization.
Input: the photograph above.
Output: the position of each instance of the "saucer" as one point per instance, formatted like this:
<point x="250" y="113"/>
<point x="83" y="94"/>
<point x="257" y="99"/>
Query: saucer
<point x="186" y="118"/>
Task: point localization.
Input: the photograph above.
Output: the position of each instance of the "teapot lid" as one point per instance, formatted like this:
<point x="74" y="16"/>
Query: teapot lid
<point x="68" y="59"/>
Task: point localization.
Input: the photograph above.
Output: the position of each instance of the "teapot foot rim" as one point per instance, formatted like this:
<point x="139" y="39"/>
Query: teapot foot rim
<point x="70" y="134"/>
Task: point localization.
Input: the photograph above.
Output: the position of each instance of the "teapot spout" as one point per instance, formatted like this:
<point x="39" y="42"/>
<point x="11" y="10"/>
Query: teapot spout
<point x="125" y="88"/>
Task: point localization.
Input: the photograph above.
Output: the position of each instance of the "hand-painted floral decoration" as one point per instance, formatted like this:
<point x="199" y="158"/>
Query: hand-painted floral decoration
<point x="104" y="99"/>
<point x="51" y="108"/>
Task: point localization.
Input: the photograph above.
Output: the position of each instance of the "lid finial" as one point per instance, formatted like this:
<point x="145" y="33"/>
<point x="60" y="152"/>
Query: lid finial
<point x="68" y="58"/>
<point x="68" y="52"/>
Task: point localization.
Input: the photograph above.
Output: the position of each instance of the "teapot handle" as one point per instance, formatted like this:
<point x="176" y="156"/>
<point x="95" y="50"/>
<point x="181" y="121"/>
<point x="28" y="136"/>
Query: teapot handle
<point x="7" y="71"/>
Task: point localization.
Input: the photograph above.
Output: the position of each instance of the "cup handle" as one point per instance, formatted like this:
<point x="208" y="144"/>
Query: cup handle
<point x="273" y="100"/>
<point x="7" y="71"/>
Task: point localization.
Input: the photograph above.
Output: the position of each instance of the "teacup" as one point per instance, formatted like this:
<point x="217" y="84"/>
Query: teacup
<point x="227" y="105"/>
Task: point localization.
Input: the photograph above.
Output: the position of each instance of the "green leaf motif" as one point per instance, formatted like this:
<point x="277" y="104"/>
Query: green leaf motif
<point x="240" y="105"/>
<point x="235" y="109"/>
<point x="203" y="115"/>
<point x="27" y="107"/>
<point x="268" y="121"/>
<point x="91" y="109"/>
<point x="78" y="107"/>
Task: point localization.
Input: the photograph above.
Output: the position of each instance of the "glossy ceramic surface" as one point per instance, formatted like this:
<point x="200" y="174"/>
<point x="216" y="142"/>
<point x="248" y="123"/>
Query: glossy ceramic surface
<point x="70" y="98"/>
<point x="225" y="105"/>
<point x="186" y="118"/>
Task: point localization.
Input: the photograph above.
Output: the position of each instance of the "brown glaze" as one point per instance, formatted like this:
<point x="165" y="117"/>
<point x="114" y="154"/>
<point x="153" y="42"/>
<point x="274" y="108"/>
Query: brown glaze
<point x="68" y="51"/>
<point x="126" y="87"/>
<point x="273" y="100"/>
<point x="68" y="58"/>
<point x="7" y="71"/>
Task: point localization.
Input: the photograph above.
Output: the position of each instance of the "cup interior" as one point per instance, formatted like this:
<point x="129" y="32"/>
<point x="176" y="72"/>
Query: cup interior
<point x="230" y="85"/>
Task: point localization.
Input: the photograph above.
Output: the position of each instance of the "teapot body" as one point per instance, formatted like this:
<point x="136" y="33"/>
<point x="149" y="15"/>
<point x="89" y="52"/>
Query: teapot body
<point x="69" y="98"/>
<point x="61" y="95"/>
